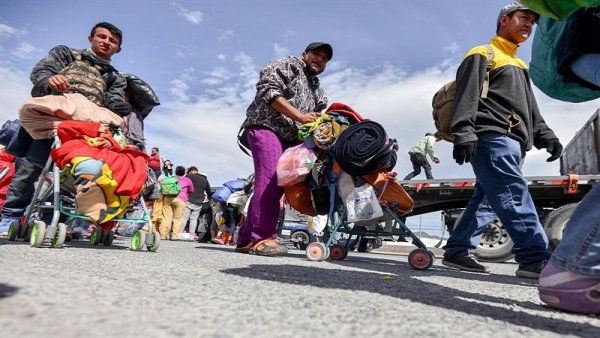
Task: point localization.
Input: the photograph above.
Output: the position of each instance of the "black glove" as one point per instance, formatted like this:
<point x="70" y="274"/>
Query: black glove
<point x="463" y="152"/>
<point x="554" y="148"/>
<point x="120" y="108"/>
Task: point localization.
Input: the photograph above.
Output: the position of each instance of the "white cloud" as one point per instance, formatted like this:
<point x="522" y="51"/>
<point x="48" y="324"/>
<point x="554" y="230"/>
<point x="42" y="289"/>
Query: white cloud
<point x="453" y="48"/>
<point x="14" y="90"/>
<point x="217" y="76"/>
<point x="225" y="35"/>
<point x="183" y="51"/>
<point x="179" y="86"/>
<point x="280" y="51"/>
<point x="194" y="17"/>
<point x="289" y="34"/>
<point x="222" y="57"/>
<point x="6" y="31"/>
<point x="24" y="50"/>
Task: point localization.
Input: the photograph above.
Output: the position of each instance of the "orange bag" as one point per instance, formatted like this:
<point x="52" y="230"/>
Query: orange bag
<point x="299" y="197"/>
<point x="390" y="191"/>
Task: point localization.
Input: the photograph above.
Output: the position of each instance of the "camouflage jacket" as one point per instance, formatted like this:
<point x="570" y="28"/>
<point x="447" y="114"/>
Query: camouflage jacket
<point x="284" y="78"/>
<point x="62" y="56"/>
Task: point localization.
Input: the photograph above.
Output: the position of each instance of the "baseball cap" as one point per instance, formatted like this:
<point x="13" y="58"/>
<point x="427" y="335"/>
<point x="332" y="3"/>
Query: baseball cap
<point x="316" y="45"/>
<point x="513" y="7"/>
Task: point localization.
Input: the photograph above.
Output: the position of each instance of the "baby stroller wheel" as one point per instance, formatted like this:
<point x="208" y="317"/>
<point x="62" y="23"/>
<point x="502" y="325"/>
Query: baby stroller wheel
<point x="59" y="236"/>
<point x="108" y="237"/>
<point x="38" y="232"/>
<point x="420" y="259"/>
<point x="138" y="240"/>
<point x="153" y="241"/>
<point x="24" y="231"/>
<point x="13" y="230"/>
<point x="338" y="252"/>
<point x="317" y="251"/>
<point x="95" y="236"/>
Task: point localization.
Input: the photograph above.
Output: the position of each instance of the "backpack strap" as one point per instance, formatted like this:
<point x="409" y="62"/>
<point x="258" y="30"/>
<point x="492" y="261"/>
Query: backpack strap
<point x="486" y="82"/>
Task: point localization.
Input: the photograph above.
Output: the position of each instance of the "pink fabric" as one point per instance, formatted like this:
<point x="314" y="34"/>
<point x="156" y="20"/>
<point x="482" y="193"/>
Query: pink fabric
<point x="187" y="187"/>
<point x="40" y="116"/>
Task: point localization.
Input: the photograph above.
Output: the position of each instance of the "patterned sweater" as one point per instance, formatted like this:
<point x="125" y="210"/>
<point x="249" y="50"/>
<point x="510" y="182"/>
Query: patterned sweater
<point x="284" y="78"/>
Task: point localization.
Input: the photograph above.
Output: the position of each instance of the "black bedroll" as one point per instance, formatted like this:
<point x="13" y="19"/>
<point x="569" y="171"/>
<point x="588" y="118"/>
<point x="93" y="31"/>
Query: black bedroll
<point x="364" y="148"/>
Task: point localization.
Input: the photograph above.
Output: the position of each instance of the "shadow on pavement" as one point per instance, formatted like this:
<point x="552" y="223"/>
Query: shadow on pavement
<point x="408" y="287"/>
<point x="7" y="290"/>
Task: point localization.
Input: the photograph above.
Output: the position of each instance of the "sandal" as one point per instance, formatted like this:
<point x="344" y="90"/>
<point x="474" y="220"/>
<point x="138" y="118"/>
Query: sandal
<point x="244" y="248"/>
<point x="268" y="247"/>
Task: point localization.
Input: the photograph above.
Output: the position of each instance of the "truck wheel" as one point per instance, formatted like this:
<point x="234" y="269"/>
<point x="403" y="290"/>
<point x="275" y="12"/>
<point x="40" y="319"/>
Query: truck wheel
<point x="495" y="245"/>
<point x="300" y="239"/>
<point x="556" y="222"/>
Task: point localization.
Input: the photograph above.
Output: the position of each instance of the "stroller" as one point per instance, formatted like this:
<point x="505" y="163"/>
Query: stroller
<point x="63" y="189"/>
<point x="350" y="181"/>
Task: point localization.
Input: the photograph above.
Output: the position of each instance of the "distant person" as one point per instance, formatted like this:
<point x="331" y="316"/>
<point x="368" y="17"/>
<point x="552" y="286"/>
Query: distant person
<point x="173" y="205"/>
<point x="198" y="204"/>
<point x="167" y="168"/>
<point x="155" y="161"/>
<point x="493" y="134"/>
<point x="418" y="155"/>
<point x="288" y="94"/>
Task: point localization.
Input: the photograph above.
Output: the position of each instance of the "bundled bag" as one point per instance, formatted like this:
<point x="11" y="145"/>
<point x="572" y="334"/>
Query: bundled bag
<point x="9" y="131"/>
<point x="169" y="186"/>
<point x="364" y="148"/>
<point x="294" y="165"/>
<point x="221" y="194"/>
<point x="307" y="200"/>
<point x="238" y="199"/>
<point x="235" y="185"/>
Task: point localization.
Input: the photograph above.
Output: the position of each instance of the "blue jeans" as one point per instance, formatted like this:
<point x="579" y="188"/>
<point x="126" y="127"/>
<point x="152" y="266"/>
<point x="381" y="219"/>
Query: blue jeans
<point x="21" y="188"/>
<point x="586" y="68"/>
<point x="579" y="249"/>
<point x="499" y="180"/>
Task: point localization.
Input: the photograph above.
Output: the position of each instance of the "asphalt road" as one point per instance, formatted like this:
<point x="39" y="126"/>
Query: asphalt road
<point x="188" y="289"/>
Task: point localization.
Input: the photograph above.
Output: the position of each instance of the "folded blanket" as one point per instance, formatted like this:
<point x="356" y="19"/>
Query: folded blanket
<point x="40" y="116"/>
<point x="364" y="148"/>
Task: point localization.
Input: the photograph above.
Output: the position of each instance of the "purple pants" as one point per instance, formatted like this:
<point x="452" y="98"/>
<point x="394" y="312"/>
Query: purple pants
<point x="263" y="213"/>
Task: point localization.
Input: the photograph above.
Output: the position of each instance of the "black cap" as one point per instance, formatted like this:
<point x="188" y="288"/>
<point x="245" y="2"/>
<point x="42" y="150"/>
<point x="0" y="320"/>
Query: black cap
<point x="317" y="45"/>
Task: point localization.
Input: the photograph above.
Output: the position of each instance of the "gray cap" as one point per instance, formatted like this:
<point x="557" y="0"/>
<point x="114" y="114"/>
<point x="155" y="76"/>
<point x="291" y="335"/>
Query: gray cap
<point x="515" y="6"/>
<point x="317" y="45"/>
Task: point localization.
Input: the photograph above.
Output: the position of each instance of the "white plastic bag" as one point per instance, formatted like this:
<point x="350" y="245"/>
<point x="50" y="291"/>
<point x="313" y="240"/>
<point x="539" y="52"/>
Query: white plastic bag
<point x="316" y="224"/>
<point x="362" y="204"/>
<point x="294" y="165"/>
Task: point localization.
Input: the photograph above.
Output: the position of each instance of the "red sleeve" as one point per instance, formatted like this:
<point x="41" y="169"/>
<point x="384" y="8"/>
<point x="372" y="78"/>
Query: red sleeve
<point x="69" y="129"/>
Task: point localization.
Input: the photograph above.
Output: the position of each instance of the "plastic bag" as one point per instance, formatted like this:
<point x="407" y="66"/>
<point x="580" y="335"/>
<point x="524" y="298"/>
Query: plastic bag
<point x="316" y="224"/>
<point x="362" y="204"/>
<point x="294" y="165"/>
<point x="238" y="198"/>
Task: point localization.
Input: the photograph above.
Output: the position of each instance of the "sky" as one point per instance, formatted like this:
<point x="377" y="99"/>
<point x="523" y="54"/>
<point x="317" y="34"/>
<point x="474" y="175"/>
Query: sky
<point x="202" y="58"/>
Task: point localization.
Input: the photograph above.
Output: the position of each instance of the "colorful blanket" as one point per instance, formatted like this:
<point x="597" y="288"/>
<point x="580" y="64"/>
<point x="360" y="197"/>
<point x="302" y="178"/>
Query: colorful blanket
<point x="108" y="176"/>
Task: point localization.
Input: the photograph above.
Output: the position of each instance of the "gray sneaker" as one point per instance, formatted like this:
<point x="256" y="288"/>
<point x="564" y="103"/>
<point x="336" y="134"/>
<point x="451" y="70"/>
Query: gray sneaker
<point x="531" y="270"/>
<point x="465" y="263"/>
